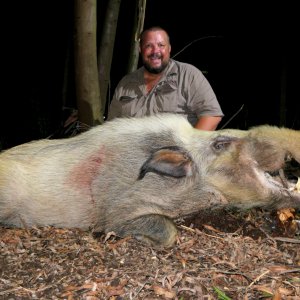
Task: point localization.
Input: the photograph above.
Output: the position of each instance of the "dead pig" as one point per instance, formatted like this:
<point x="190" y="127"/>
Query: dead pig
<point x="134" y="176"/>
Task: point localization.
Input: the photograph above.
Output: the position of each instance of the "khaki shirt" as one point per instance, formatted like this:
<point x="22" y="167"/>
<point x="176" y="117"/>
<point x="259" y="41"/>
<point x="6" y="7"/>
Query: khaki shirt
<point x="182" y="89"/>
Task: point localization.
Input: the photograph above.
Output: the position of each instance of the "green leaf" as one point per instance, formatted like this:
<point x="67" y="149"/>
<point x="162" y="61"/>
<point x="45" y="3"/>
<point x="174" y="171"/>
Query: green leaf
<point x="221" y="294"/>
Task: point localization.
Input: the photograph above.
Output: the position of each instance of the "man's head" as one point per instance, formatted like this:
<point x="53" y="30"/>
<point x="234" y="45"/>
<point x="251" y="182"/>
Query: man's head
<point x="155" y="49"/>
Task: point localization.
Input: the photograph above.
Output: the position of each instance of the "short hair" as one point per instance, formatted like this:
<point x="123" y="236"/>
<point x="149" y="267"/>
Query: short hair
<point x="153" y="28"/>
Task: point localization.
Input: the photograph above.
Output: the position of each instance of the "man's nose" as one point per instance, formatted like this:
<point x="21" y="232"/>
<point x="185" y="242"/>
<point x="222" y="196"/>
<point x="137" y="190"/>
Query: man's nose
<point x="155" y="48"/>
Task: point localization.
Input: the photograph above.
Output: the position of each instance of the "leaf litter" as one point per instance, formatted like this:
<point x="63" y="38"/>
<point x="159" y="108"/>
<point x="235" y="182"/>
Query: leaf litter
<point x="220" y="254"/>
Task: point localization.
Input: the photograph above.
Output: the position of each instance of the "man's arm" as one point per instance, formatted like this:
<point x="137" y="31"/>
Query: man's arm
<point x="202" y="100"/>
<point x="208" y="122"/>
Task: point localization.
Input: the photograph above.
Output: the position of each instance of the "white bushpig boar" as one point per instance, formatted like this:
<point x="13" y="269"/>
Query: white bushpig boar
<point x="135" y="176"/>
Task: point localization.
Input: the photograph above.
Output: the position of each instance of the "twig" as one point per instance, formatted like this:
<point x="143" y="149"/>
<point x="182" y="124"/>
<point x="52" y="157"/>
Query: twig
<point x="194" y="41"/>
<point x="235" y="273"/>
<point x="297" y="270"/>
<point x="197" y="231"/>
<point x="233" y="117"/>
<point x="258" y="278"/>
<point x="187" y="228"/>
<point x="140" y="289"/>
<point x="287" y="240"/>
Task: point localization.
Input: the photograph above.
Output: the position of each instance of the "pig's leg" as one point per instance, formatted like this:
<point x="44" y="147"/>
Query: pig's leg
<point x="154" y="230"/>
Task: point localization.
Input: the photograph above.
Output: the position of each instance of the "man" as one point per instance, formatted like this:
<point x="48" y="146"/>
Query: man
<point x="165" y="85"/>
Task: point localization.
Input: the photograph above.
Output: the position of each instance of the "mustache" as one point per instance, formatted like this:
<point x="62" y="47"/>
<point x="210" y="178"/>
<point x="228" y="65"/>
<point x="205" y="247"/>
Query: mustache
<point x="155" y="55"/>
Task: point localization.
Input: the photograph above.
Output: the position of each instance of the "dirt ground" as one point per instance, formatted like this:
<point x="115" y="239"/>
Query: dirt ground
<point x="218" y="255"/>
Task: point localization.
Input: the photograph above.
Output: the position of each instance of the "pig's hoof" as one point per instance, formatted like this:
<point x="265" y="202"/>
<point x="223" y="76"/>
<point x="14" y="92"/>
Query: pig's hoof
<point x="153" y="230"/>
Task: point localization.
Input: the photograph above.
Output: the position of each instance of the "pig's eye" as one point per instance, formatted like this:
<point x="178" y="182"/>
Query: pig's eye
<point x="220" y="146"/>
<point x="222" y="143"/>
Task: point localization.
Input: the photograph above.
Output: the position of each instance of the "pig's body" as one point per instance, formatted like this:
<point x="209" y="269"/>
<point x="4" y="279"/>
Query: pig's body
<point x="133" y="176"/>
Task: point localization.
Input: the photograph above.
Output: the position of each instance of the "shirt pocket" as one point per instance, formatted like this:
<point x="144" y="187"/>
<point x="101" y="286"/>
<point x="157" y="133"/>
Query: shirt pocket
<point x="127" y="103"/>
<point x="127" y="98"/>
<point x="169" y="98"/>
<point x="166" y="87"/>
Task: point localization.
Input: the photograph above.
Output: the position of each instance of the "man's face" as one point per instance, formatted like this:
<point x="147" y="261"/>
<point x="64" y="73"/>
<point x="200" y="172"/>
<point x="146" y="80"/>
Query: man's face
<point x="155" y="51"/>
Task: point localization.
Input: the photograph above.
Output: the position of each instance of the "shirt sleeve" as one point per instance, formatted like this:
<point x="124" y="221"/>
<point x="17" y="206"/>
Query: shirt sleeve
<point x="202" y="98"/>
<point x="115" y="108"/>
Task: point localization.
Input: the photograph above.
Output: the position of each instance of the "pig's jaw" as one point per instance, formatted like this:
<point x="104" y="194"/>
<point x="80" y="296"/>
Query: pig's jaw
<point x="274" y="189"/>
<point x="284" y="184"/>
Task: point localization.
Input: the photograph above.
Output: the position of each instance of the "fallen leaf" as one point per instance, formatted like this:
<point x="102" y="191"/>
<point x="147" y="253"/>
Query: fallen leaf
<point x="163" y="292"/>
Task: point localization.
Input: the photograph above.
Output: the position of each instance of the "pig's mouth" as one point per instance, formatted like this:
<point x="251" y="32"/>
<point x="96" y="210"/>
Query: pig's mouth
<point x="287" y="178"/>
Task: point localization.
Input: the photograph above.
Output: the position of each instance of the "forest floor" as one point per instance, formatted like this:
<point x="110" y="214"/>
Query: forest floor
<point x="218" y="255"/>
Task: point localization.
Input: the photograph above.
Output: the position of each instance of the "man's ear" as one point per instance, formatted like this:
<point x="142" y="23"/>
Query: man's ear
<point x="168" y="161"/>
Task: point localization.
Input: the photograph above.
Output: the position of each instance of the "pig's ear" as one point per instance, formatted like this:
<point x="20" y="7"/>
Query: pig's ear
<point x="168" y="161"/>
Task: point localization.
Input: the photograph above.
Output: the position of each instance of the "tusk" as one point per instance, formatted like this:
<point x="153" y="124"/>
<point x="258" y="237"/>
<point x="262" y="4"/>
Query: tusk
<point x="283" y="179"/>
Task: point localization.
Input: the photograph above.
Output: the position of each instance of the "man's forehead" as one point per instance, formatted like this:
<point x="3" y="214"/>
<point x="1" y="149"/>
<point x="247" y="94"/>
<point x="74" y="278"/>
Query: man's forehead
<point x="155" y="36"/>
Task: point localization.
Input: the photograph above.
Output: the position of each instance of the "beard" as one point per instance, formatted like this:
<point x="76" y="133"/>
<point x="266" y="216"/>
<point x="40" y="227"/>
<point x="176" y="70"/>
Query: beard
<point x="155" y="70"/>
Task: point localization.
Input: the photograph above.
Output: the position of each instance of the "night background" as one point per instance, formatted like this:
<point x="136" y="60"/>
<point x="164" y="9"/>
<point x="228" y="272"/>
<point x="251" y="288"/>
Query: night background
<point x="247" y="52"/>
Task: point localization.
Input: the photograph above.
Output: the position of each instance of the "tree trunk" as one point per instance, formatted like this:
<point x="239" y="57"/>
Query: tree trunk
<point x="106" y="47"/>
<point x="137" y="29"/>
<point x="86" y="72"/>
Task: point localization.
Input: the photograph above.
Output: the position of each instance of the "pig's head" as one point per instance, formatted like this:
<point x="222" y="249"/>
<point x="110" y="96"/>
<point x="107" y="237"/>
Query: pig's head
<point x="250" y="171"/>
<point x="182" y="170"/>
<point x="251" y="168"/>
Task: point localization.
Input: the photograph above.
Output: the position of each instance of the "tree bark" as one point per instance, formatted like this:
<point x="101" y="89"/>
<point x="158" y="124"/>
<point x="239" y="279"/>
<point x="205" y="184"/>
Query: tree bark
<point x="85" y="54"/>
<point x="137" y="30"/>
<point x="106" y="48"/>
